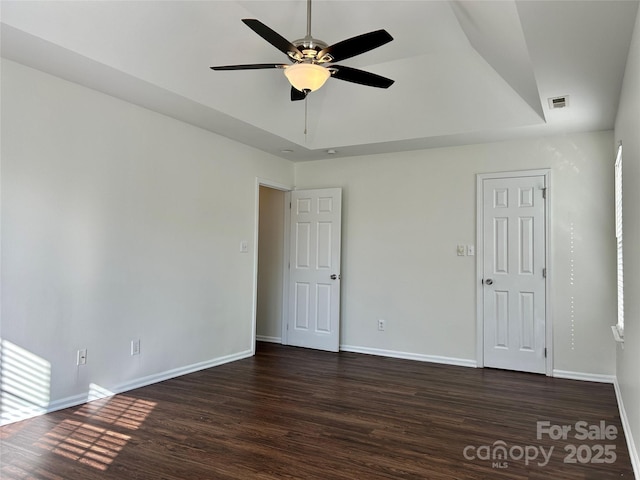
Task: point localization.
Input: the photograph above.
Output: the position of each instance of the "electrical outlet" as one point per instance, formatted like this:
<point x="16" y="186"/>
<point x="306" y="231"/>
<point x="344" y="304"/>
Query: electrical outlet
<point x="381" y="325"/>
<point x="82" y="356"/>
<point x="135" y="347"/>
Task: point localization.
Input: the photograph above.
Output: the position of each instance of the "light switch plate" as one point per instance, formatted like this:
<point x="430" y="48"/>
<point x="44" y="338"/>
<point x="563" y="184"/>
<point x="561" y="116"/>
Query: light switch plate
<point x="244" y="246"/>
<point x="471" y="250"/>
<point x="461" y="250"/>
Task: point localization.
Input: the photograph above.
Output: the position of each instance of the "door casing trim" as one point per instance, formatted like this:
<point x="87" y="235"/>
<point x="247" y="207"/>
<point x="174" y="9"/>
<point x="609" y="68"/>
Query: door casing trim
<point x="264" y="182"/>
<point x="480" y="177"/>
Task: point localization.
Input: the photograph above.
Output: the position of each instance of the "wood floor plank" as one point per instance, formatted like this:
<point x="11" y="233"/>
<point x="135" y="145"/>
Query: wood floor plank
<point x="291" y="413"/>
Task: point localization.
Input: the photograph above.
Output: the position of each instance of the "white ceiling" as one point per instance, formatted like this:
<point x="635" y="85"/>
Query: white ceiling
<point x="464" y="71"/>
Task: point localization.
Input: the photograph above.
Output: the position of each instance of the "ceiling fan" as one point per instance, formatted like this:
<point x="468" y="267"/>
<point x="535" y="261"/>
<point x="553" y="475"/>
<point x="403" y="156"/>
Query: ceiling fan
<point x="313" y="61"/>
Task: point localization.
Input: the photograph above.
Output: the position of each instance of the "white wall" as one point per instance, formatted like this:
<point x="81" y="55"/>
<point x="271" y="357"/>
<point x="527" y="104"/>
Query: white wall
<point x="270" y="262"/>
<point x="404" y="214"/>
<point x="119" y="223"/>
<point x="628" y="131"/>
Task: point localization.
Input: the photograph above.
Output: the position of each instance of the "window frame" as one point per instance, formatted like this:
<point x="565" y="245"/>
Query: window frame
<point x="619" y="241"/>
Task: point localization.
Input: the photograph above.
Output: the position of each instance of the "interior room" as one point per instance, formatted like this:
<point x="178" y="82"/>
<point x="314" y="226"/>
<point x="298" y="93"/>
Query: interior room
<point x="174" y="209"/>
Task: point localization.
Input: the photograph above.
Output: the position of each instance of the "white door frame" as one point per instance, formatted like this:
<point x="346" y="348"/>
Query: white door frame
<point x="284" y="335"/>
<point x="263" y="182"/>
<point x="480" y="177"/>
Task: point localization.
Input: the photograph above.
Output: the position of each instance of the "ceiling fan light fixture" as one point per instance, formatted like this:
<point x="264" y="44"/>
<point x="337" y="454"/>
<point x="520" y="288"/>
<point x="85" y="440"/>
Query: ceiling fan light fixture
<point x="306" y="76"/>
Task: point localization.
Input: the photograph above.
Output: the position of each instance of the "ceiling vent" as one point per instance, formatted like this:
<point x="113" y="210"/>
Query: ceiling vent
<point x="559" y="102"/>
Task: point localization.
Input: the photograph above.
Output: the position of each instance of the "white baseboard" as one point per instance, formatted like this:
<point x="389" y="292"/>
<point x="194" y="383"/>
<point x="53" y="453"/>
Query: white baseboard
<point x="26" y="412"/>
<point x="585" y="377"/>
<point x="178" y="372"/>
<point x="265" y="338"/>
<point x="460" y="362"/>
<point x="631" y="445"/>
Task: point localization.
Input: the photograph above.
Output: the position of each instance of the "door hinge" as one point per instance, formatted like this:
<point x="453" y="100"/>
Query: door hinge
<point x="544" y="192"/>
<point x="544" y="273"/>
<point x="545" y="352"/>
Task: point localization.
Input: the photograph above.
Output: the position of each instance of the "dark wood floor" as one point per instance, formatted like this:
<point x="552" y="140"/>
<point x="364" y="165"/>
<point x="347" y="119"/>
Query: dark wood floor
<point x="290" y="413"/>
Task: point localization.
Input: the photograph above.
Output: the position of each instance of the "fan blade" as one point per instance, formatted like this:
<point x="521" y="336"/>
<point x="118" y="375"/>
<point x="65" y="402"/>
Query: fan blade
<point x="354" y="75"/>
<point x="297" y="94"/>
<point x="356" y="45"/>
<point x="274" y="38"/>
<point x="251" y="66"/>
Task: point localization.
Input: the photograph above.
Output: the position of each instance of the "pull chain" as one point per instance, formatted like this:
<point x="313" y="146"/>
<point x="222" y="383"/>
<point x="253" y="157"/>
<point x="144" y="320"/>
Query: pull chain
<point x="305" y="120"/>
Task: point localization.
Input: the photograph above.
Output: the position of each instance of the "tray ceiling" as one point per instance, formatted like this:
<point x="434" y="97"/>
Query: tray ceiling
<point x="464" y="72"/>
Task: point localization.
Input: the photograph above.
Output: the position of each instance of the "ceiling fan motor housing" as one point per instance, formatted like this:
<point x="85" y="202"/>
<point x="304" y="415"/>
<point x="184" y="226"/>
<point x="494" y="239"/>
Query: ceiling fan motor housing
<point x="310" y="47"/>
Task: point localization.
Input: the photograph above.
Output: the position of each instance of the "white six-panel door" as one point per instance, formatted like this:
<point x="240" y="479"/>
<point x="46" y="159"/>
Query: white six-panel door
<point x="314" y="277"/>
<point x="513" y="275"/>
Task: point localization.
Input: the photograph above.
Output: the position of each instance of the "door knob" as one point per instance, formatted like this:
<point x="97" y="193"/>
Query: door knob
<point x="488" y="281"/>
<point x="334" y="277"/>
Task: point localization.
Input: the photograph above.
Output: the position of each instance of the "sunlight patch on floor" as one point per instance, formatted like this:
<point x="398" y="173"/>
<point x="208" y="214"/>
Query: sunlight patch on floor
<point x="121" y="410"/>
<point x="84" y="443"/>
